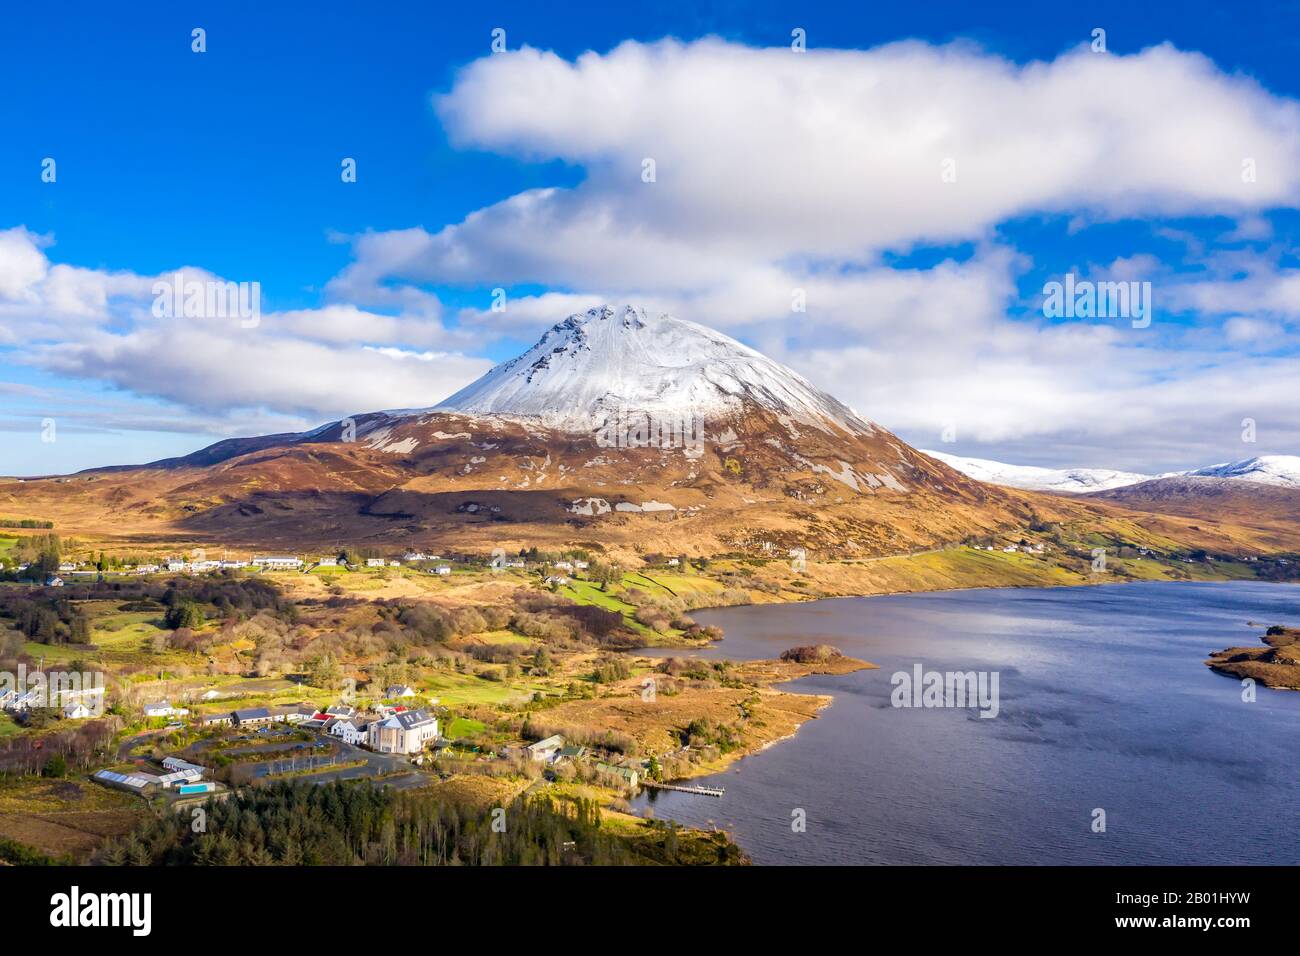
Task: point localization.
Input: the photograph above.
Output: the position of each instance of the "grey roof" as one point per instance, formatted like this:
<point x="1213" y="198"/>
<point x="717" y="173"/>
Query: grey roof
<point x="252" y="713"/>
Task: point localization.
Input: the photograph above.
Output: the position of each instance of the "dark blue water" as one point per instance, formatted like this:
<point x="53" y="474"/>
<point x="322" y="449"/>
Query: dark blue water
<point x="1104" y="703"/>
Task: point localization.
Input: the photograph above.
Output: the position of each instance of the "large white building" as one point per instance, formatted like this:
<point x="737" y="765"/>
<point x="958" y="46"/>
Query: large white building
<point x="404" y="733"/>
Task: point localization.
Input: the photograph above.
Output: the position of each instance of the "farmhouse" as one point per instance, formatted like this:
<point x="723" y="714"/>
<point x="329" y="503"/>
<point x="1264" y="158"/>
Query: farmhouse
<point x="279" y="562"/>
<point x="442" y="569"/>
<point x="328" y="562"/>
<point x="626" y="774"/>
<point x="164" y="709"/>
<point x="399" y="690"/>
<point x="404" y="733"/>
<point x="374" y="562"/>
<point x="547" y="749"/>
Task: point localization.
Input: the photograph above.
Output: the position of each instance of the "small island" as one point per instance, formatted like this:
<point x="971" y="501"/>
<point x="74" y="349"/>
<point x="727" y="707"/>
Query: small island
<point x="1276" y="665"/>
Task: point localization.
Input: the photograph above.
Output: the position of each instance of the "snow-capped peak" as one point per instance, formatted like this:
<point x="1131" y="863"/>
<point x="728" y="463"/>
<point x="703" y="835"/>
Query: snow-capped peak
<point x="1282" y="470"/>
<point x="596" y="365"/>
<point x="1032" y="478"/>
<point x="1279" y="470"/>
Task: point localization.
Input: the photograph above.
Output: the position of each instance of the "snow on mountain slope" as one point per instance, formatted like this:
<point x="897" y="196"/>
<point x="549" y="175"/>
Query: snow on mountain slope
<point x="594" y="366"/>
<point x="1077" y="480"/>
<point x="1278" y="470"/>
<point x="1281" y="470"/>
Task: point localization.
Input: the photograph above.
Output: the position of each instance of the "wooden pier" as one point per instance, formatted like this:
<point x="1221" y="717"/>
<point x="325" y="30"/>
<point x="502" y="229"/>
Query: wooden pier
<point x="701" y="791"/>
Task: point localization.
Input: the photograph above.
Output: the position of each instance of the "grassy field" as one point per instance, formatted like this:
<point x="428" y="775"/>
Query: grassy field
<point x="64" y="817"/>
<point x="463" y="727"/>
<point x="452" y="689"/>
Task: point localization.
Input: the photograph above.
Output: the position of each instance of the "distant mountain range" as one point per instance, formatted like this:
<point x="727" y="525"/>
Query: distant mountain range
<point x="1281" y="471"/>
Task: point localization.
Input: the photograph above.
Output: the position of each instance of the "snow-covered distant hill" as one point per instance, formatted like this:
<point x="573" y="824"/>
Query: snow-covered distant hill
<point x="1077" y="480"/>
<point x="591" y="366"/>
<point x="1278" y="470"/>
<point x="1281" y="470"/>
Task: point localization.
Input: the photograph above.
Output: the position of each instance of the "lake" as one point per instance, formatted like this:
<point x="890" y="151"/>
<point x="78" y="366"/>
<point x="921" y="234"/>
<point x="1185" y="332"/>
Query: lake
<point x="1103" y="703"/>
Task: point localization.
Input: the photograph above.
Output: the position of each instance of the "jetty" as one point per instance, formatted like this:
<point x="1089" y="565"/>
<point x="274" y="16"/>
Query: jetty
<point x="701" y="791"/>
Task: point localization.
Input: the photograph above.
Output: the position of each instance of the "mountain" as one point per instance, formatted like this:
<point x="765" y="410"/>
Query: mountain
<point x="620" y="428"/>
<point x="1278" y="470"/>
<point x="1269" y="511"/>
<point x="1073" y="480"/>
<point x="591" y="368"/>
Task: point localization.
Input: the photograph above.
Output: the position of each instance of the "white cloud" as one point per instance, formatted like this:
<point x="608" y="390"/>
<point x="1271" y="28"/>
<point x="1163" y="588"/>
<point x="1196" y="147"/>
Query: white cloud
<point x="304" y="364"/>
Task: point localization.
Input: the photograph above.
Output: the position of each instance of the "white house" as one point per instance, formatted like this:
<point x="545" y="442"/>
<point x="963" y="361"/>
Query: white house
<point x="414" y="556"/>
<point x="174" y="764"/>
<point x="442" y="569"/>
<point x="54" y="582"/>
<point x="348" y="731"/>
<point x="341" y="710"/>
<point x="547" y="749"/>
<point x="328" y="562"/>
<point x="175" y="565"/>
<point x="580" y="565"/>
<point x="564" y="565"/>
<point x="67" y="566"/>
<point x="404" y="733"/>
<point x="77" y="711"/>
<point x="278" y="562"/>
<point x="374" y="562"/>
<point x="164" y="709"/>
<point x="399" y="690"/>
<point x="556" y="579"/>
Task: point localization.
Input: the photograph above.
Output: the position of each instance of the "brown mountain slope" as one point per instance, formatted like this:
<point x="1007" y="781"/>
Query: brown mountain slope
<point x="479" y="482"/>
<point x="450" y="481"/>
<point x="1269" y="514"/>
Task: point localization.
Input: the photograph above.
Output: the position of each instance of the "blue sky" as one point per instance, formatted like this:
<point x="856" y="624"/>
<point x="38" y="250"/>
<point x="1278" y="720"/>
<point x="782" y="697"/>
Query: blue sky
<point x="228" y="161"/>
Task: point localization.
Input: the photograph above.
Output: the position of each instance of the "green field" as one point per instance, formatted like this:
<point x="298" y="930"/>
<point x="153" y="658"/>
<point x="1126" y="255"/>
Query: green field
<point x="462" y="727"/>
<point x="452" y="689"/>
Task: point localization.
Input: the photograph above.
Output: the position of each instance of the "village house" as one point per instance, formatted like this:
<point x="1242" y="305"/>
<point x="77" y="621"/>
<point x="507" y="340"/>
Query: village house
<point x="251" y="717"/>
<point x="328" y="562"/>
<point x="629" y="776"/>
<point x="341" y="710"/>
<point x="546" y="750"/>
<point x="399" y="690"/>
<point x="173" y="764"/>
<point x="374" y="562"/>
<point x="402" y="733"/>
<point x="349" y="731"/>
<point x="277" y="562"/>
<point x="164" y="709"/>
<point x="76" y="711"/>
<point x="442" y="569"/>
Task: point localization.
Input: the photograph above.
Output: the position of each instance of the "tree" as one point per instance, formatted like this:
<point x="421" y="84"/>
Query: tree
<point x="56" y="766"/>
